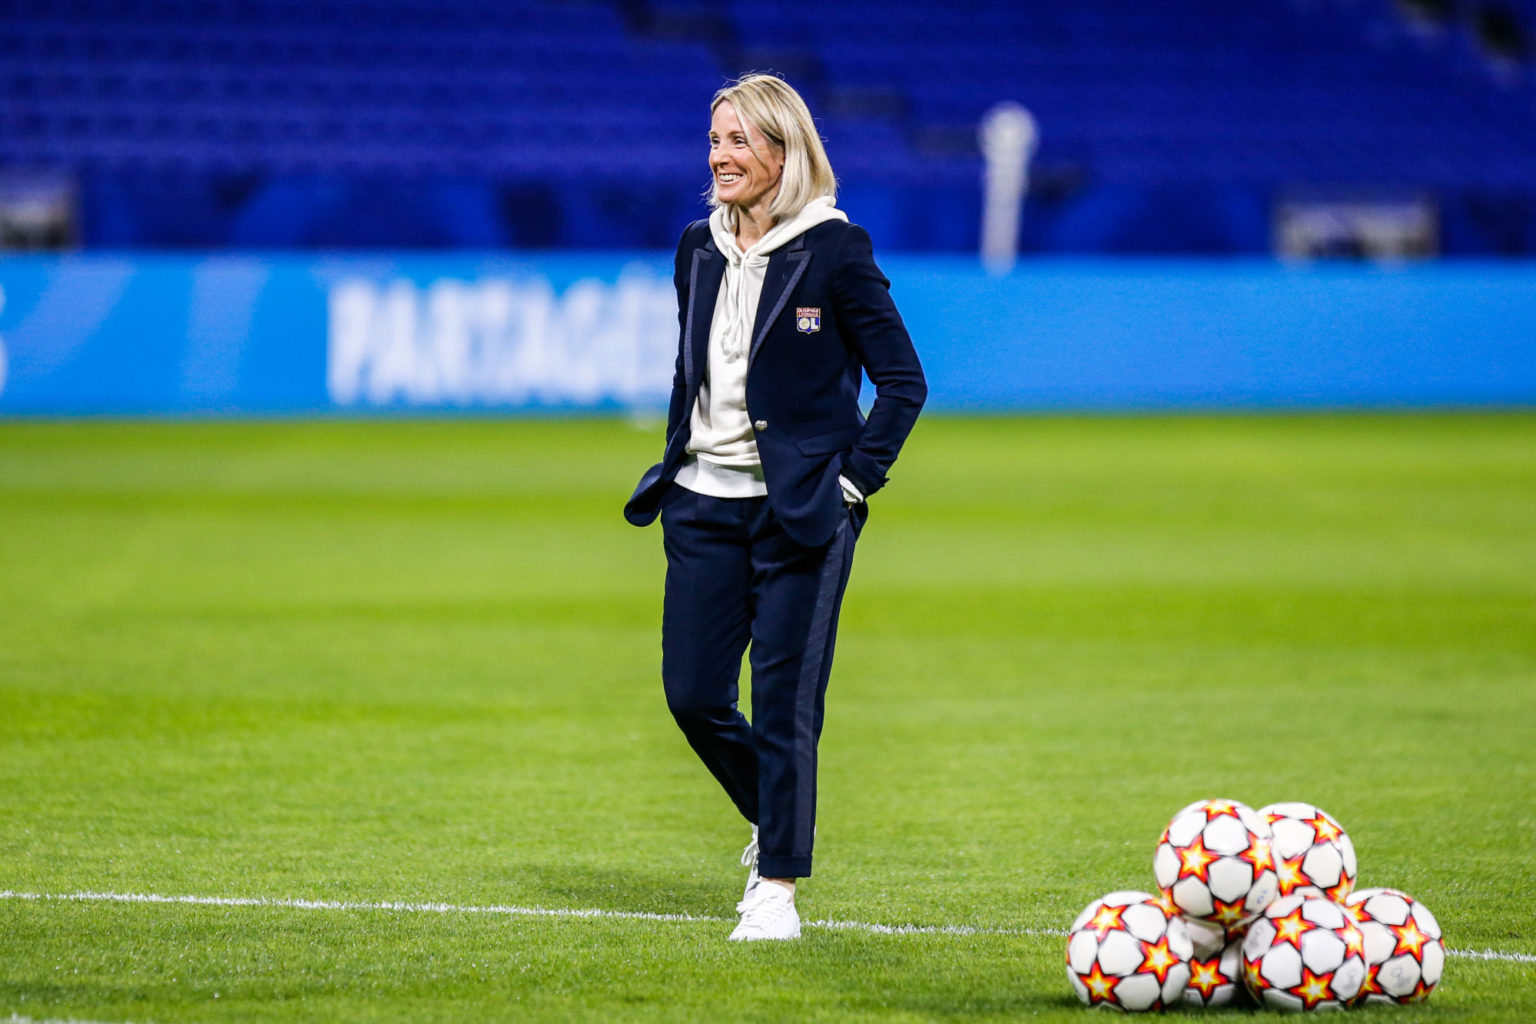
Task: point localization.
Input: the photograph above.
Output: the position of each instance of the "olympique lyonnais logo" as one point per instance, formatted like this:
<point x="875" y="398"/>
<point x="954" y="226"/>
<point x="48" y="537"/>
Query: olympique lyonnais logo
<point x="807" y="319"/>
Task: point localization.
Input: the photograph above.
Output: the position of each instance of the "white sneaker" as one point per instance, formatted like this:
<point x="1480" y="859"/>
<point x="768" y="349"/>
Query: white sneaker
<point x="769" y="914"/>
<point x="749" y="860"/>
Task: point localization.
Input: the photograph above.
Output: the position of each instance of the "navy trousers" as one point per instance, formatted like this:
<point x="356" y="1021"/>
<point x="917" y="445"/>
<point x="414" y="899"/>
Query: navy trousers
<point x="735" y="578"/>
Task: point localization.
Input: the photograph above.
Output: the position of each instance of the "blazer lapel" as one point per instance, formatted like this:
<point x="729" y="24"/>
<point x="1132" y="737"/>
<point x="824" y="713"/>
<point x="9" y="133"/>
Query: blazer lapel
<point x="785" y="268"/>
<point x="703" y="291"/>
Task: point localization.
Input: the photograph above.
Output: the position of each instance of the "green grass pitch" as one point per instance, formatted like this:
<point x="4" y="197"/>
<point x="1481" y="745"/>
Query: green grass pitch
<point x="416" y="662"/>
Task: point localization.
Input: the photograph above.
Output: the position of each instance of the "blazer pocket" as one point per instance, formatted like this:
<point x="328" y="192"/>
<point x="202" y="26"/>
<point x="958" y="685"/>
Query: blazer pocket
<point x="826" y="444"/>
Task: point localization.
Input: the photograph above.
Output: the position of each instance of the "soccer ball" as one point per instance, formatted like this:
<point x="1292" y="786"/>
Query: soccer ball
<point x="1126" y="951"/>
<point x="1404" y="954"/>
<point x="1213" y="862"/>
<point x="1313" y="854"/>
<point x="1305" y="953"/>
<point x="1215" y="979"/>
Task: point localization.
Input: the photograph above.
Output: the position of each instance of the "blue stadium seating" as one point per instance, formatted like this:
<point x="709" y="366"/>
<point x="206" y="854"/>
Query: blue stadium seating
<point x="1166" y="127"/>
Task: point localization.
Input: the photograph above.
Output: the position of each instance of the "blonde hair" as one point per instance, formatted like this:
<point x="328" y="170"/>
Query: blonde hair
<point x="774" y="108"/>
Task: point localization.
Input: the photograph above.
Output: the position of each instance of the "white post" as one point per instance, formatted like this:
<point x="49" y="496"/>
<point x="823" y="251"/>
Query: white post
<point x="1008" y="137"/>
<point x="2" y="345"/>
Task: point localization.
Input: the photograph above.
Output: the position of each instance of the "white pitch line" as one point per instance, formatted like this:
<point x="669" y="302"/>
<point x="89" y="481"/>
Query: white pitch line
<point x="1492" y="954"/>
<point x="301" y="904"/>
<point x="496" y="909"/>
<point x="623" y="915"/>
<point x="17" y="1018"/>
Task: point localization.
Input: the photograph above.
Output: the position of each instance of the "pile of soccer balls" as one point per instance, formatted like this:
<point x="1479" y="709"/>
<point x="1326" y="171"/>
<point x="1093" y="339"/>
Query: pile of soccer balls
<point x="1257" y="900"/>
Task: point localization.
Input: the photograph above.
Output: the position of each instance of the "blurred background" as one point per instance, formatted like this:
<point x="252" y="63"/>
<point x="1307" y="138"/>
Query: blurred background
<point x="269" y="205"/>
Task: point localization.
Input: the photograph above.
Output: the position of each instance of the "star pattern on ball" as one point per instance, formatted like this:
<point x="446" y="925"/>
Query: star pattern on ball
<point x="1338" y="892"/>
<point x="1260" y="856"/>
<point x="1217" y="808"/>
<point x="1292" y="927"/>
<point x="1254" y="975"/>
<point x="1205" y="977"/>
<point x="1228" y="915"/>
<point x="1288" y="870"/>
<point x="1195" y="861"/>
<point x="1314" y="988"/>
<point x="1164" y="900"/>
<point x="1327" y="831"/>
<point x="1410" y="939"/>
<point x="1100" y="986"/>
<point x="1354" y="939"/>
<point x="1357" y="912"/>
<point x="1157" y="959"/>
<point x="1106" y="920"/>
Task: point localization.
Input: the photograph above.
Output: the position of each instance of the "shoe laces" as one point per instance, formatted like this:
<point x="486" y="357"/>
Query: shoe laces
<point x="749" y="855"/>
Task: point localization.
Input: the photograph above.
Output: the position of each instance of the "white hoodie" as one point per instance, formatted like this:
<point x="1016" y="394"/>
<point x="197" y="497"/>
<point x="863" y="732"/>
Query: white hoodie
<point x="723" y="460"/>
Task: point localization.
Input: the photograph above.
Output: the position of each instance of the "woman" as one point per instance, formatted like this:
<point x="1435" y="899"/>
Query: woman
<point x="767" y="467"/>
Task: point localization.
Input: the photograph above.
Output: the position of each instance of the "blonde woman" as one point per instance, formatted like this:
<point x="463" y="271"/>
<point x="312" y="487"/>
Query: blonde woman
<point x="763" y="486"/>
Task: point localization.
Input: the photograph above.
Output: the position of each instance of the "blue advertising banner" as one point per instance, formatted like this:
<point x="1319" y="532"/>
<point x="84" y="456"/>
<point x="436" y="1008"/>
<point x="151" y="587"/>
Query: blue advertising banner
<point x="305" y="334"/>
<point x="233" y="334"/>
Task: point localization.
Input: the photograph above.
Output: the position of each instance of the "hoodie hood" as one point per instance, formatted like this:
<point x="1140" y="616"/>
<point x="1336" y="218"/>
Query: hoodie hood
<point x="817" y="211"/>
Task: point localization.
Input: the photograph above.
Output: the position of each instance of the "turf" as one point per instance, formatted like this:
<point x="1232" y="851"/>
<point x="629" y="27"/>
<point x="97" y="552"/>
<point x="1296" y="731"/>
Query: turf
<point x="417" y="661"/>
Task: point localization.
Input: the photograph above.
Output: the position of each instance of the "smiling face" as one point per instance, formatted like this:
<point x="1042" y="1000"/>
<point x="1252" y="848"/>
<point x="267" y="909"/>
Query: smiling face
<point x="746" y="166"/>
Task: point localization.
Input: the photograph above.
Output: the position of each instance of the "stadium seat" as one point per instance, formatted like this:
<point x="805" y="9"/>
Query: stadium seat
<point x="416" y="118"/>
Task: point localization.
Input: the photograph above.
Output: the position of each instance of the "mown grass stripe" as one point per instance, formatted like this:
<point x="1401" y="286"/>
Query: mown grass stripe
<point x="577" y="912"/>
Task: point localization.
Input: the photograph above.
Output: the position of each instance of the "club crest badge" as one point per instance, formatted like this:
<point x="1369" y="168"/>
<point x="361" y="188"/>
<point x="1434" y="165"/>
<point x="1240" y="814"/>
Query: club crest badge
<point x="807" y="319"/>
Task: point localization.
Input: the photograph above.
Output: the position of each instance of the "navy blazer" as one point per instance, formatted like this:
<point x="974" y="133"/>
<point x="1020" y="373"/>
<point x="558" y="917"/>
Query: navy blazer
<point x="824" y="316"/>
